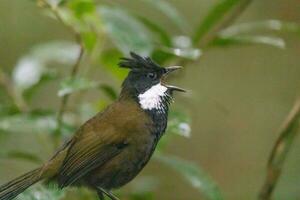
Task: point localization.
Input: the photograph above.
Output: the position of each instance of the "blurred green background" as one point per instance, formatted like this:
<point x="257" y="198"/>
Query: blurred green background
<point x="238" y="97"/>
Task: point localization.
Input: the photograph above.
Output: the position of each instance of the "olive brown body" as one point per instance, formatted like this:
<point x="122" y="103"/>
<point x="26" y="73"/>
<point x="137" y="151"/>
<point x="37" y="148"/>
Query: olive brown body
<point x="111" y="148"/>
<point x="130" y="128"/>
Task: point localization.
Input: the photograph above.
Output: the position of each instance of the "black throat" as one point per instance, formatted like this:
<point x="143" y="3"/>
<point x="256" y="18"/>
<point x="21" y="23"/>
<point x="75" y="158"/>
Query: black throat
<point x="159" y="116"/>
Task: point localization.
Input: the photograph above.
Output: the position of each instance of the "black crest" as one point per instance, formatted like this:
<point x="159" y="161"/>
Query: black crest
<point x="137" y="62"/>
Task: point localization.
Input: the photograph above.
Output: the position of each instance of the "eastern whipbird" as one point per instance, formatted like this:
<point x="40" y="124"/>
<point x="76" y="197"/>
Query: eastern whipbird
<point x="111" y="148"/>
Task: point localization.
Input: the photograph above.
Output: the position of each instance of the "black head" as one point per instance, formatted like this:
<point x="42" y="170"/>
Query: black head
<point x="145" y="84"/>
<point x="145" y="73"/>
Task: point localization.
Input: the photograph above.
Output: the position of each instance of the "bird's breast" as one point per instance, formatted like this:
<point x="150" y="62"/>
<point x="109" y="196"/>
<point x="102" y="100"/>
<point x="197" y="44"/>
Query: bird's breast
<point x="142" y="131"/>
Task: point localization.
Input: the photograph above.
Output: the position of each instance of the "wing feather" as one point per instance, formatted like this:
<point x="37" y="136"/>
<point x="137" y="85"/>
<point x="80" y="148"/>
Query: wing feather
<point x="71" y="174"/>
<point x="89" y="150"/>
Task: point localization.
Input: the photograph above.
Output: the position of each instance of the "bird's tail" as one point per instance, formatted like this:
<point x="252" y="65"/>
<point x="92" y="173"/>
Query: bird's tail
<point x="11" y="189"/>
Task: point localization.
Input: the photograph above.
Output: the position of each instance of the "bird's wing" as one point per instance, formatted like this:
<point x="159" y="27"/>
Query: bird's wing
<point x="89" y="150"/>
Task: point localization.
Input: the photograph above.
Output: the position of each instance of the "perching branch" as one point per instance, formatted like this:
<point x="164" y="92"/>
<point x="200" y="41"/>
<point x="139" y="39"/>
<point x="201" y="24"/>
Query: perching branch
<point x="280" y="151"/>
<point x="16" y="97"/>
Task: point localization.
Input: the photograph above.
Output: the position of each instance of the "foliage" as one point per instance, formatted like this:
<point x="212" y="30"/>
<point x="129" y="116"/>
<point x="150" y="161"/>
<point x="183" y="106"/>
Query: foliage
<point x="106" y="32"/>
<point x="194" y="175"/>
<point x="42" y="192"/>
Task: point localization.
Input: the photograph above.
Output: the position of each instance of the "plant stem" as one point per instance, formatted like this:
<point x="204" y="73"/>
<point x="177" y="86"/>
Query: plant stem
<point x="65" y="98"/>
<point x="289" y="130"/>
<point x="73" y="72"/>
<point x="55" y="11"/>
<point x="16" y="97"/>
<point x="207" y="37"/>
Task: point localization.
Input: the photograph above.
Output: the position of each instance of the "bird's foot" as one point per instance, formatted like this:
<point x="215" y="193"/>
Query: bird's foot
<point x="100" y="195"/>
<point x="102" y="191"/>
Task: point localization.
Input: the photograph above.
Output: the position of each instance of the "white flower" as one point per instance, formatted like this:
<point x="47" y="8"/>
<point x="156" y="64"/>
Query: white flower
<point x="185" y="129"/>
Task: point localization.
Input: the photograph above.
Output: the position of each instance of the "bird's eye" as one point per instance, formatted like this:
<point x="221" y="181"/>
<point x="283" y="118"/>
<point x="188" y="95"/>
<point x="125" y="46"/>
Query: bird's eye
<point x="152" y="75"/>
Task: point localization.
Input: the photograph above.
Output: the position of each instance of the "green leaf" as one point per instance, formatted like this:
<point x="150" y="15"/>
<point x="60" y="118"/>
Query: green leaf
<point x="161" y="56"/>
<point x="215" y="15"/>
<point x="109" y="91"/>
<point x="33" y="67"/>
<point x="171" y="12"/>
<point x="109" y="60"/>
<point x="62" y="52"/>
<point x="21" y="155"/>
<point x="28" y="123"/>
<point x="102" y="104"/>
<point x="273" y="25"/>
<point x="179" y="124"/>
<point x="80" y="15"/>
<point x="54" y="3"/>
<point x="182" y="47"/>
<point x="27" y="72"/>
<point x="86" y="111"/>
<point x="143" y="188"/>
<point x="253" y="39"/>
<point x="89" y="40"/>
<point x="162" y="35"/>
<point x="194" y="175"/>
<point x="191" y="53"/>
<point x="128" y="33"/>
<point x="71" y="85"/>
<point x="42" y="192"/>
<point x="82" y="7"/>
<point x="6" y="109"/>
<point x="46" y="77"/>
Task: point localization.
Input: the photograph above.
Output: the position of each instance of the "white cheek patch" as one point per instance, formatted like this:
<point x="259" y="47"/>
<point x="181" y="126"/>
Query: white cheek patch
<point x="152" y="98"/>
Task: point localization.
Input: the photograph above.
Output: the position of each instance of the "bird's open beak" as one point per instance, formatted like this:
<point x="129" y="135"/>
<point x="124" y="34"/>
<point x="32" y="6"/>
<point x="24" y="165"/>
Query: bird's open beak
<point x="171" y="69"/>
<point x="168" y="70"/>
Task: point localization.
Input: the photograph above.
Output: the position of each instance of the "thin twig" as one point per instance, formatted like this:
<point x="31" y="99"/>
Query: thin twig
<point x="16" y="97"/>
<point x="74" y="70"/>
<point x="289" y="130"/>
<point x="55" y="11"/>
<point x="65" y="99"/>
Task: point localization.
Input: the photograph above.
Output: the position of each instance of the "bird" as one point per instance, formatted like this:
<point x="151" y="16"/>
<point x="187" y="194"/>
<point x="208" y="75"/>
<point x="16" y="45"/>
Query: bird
<point x="110" y="149"/>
